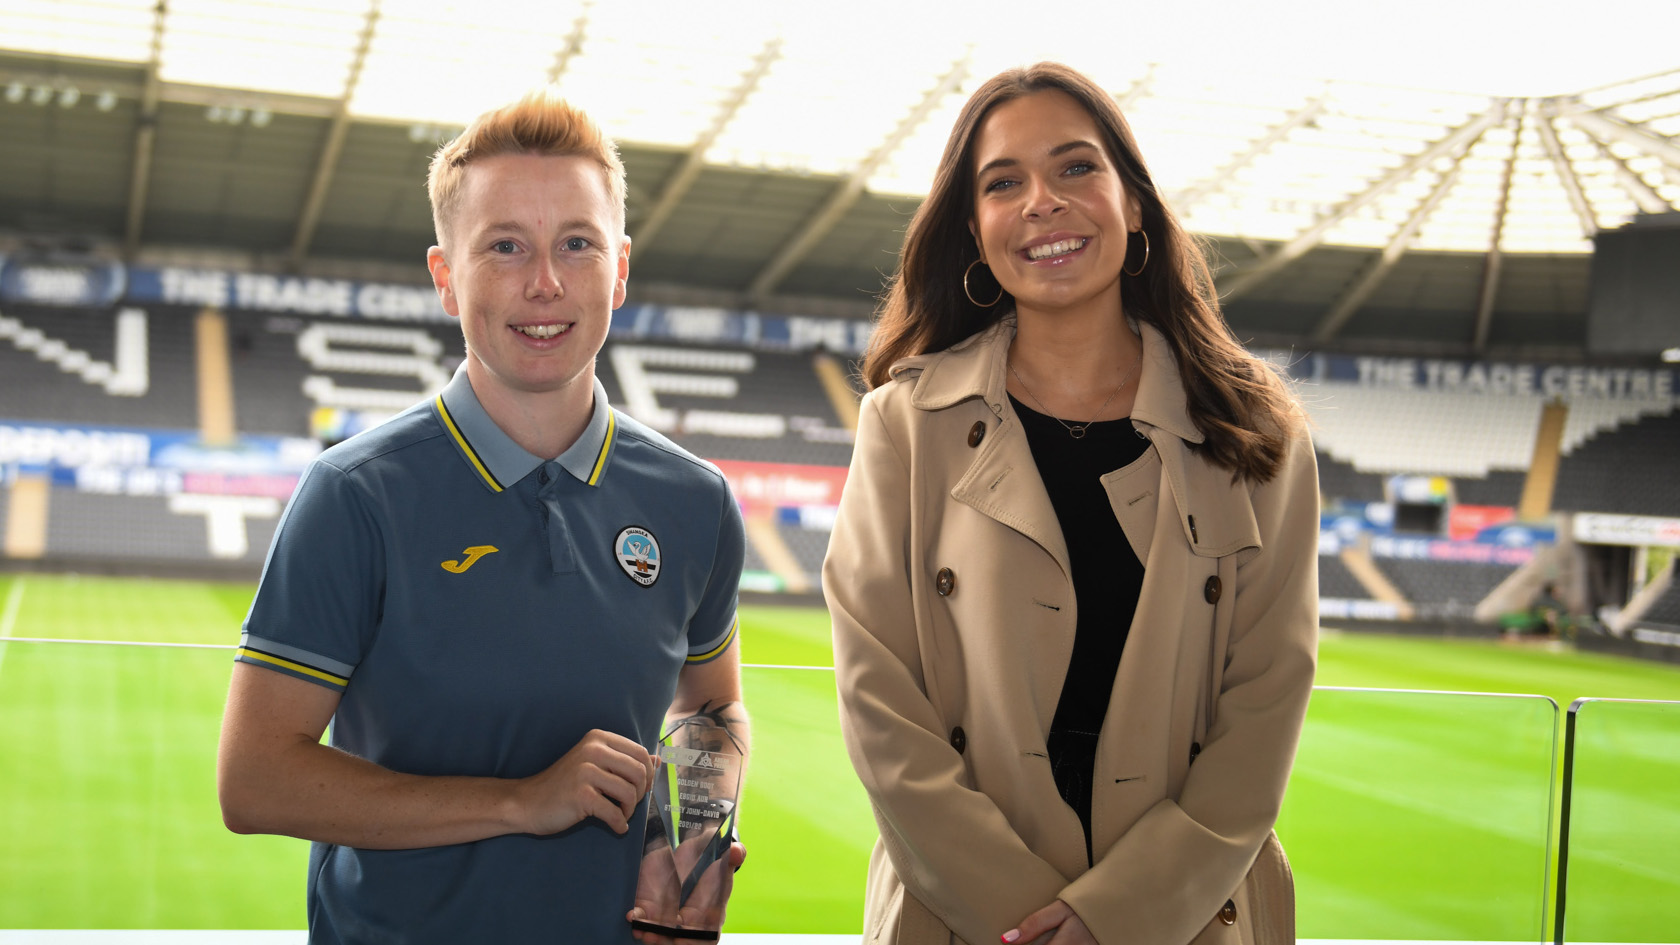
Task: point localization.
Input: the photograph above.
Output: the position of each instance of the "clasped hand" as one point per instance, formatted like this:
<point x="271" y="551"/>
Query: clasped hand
<point x="659" y="889"/>
<point x="605" y="776"/>
<point x="1055" y="924"/>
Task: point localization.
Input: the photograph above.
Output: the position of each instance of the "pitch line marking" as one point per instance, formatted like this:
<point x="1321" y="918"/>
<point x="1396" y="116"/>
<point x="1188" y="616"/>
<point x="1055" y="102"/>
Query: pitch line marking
<point x="188" y="646"/>
<point x="8" y="620"/>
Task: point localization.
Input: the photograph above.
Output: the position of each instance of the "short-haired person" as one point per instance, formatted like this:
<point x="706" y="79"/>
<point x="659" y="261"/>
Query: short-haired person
<point x="1073" y="577"/>
<point x="496" y="597"/>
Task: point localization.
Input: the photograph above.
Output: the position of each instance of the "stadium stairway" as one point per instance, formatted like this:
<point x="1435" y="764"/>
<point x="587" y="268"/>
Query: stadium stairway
<point x="1359" y="563"/>
<point x="215" y="379"/>
<point x="778" y="558"/>
<point x="1554" y="564"/>
<point x="1542" y="471"/>
<point x="1656" y="603"/>
<point x="26" y="518"/>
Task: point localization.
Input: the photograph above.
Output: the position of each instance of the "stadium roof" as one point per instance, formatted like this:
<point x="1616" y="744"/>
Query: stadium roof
<point x="775" y="155"/>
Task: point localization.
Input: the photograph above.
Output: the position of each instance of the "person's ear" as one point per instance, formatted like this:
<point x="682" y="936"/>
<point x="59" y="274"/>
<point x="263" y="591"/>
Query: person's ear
<point x="622" y="285"/>
<point x="439" y="267"/>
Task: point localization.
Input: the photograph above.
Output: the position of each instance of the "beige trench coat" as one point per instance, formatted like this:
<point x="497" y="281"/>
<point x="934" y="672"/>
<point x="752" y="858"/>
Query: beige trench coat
<point x="953" y="609"/>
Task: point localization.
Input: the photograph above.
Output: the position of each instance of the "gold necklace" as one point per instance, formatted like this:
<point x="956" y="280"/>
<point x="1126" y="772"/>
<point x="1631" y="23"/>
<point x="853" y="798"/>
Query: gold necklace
<point x="1077" y="430"/>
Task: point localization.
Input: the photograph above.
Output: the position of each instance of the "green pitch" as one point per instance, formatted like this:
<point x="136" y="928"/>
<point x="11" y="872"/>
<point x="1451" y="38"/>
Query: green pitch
<point x="1409" y="816"/>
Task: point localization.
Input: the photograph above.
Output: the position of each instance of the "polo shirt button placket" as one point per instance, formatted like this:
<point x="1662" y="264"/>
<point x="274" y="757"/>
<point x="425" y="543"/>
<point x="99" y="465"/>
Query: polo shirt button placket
<point x="562" y="559"/>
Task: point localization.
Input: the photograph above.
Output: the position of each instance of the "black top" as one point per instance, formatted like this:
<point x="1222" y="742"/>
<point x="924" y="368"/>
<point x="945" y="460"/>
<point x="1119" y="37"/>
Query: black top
<point x="1107" y="578"/>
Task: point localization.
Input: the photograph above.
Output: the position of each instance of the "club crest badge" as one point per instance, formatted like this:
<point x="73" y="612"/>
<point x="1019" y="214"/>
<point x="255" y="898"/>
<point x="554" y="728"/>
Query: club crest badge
<point x="637" y="552"/>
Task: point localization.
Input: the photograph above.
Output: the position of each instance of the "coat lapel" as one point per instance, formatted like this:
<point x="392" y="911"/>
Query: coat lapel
<point x="1002" y="482"/>
<point x="1215" y="515"/>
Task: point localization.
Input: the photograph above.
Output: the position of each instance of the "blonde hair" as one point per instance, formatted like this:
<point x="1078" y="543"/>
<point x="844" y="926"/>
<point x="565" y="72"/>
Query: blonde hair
<point x="540" y="122"/>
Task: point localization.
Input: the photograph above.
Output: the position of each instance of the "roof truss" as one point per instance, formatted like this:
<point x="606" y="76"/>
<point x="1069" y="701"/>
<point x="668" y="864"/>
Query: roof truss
<point x="685" y="176"/>
<point x="851" y="188"/>
<point x="1362" y="290"/>
<point x="145" y="138"/>
<point x="1454" y="143"/>
<point x="327" y="162"/>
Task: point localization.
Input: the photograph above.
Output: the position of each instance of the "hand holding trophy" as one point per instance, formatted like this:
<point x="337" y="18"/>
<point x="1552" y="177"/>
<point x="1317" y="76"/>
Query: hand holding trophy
<point x="689" y="854"/>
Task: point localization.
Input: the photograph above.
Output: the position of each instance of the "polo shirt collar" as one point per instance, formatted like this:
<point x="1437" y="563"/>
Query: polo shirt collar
<point x="586" y="459"/>
<point x="500" y="462"/>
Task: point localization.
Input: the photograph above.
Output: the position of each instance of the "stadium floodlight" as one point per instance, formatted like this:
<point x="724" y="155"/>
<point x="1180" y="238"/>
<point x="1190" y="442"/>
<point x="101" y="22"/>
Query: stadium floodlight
<point x="107" y="100"/>
<point x="260" y="117"/>
<point x="41" y="95"/>
<point x="1671" y="355"/>
<point x="15" y="92"/>
<point x="69" y="96"/>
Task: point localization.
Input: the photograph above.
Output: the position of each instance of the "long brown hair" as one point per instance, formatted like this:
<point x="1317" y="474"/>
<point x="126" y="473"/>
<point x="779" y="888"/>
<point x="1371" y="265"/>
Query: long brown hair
<point x="1242" y="407"/>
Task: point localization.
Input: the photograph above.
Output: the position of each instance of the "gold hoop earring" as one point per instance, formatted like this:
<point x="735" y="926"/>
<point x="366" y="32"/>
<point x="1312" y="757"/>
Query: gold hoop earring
<point x="970" y="294"/>
<point x="1134" y="272"/>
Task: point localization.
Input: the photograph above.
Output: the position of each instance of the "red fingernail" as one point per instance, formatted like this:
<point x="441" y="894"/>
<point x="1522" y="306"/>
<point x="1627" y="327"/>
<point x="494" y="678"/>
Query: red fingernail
<point x="1011" y="936"/>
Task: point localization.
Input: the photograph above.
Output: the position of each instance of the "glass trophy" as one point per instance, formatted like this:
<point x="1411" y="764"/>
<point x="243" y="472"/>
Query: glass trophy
<point x="691" y="823"/>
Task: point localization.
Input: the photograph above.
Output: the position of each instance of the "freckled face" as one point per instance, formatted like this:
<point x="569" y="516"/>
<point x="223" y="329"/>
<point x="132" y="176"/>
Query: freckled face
<point x="535" y="266"/>
<point x="1051" y="215"/>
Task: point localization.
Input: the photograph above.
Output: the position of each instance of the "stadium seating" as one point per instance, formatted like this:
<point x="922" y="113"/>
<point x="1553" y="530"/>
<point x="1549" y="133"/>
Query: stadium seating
<point x="1460" y="435"/>
<point x="111" y="529"/>
<point x="1422" y="432"/>
<point x="1631" y="470"/>
<point x="1665" y="610"/>
<point x="1335" y="580"/>
<point x="808" y="546"/>
<point x="357" y="365"/>
<point x="739" y="403"/>
<point x="728" y="403"/>
<point x="1338" y="480"/>
<point x="1498" y="487"/>
<point x="1444" y="589"/>
<point x="42" y="376"/>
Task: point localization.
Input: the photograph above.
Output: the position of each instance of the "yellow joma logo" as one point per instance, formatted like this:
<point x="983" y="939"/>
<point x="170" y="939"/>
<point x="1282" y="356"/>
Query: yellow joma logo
<point x="472" y="555"/>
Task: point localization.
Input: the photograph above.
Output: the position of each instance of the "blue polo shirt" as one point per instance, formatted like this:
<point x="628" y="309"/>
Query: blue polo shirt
<point x="479" y="609"/>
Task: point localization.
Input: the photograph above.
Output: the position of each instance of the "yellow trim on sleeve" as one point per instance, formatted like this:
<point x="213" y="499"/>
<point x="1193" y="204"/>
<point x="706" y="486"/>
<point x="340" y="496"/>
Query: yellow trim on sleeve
<point x="606" y="444"/>
<point x="714" y="651"/>
<point x="448" y="421"/>
<point x="294" y="667"/>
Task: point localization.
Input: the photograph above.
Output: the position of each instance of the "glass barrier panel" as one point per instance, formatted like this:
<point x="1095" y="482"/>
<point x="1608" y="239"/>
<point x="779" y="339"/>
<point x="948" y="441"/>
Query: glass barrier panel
<point x="1422" y="815"/>
<point x="109" y="813"/>
<point x="108" y="796"/>
<point x="1410" y="815"/>
<point x="1620" y="873"/>
<point x="804" y="818"/>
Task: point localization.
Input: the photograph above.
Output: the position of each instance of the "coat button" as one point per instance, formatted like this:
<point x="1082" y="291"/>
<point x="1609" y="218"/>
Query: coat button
<point x="1195" y="749"/>
<point x="945" y="582"/>
<point x="959" y="739"/>
<point x="976" y="433"/>
<point x="1212" y="589"/>
<point x="1228" y="915"/>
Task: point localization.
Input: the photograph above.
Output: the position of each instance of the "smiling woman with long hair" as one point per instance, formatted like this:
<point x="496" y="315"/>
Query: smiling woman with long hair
<point x="1074" y="575"/>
